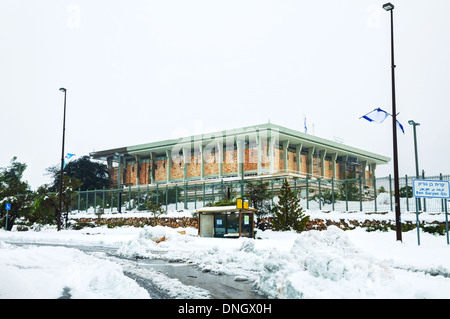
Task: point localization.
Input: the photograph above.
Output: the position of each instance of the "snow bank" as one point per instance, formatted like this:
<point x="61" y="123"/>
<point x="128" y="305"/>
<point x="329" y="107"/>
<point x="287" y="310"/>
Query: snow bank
<point x="55" y="272"/>
<point x="323" y="265"/>
<point x="313" y="264"/>
<point x="153" y="240"/>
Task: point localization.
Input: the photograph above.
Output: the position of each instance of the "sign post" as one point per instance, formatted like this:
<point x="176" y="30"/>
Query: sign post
<point x="8" y="208"/>
<point x="431" y="189"/>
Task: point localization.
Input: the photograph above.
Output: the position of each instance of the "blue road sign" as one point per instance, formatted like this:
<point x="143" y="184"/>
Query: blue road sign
<point x="431" y="188"/>
<point x="8" y="206"/>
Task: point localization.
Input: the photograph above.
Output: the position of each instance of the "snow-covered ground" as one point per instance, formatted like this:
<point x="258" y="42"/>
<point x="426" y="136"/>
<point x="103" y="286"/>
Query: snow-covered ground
<point x="314" y="264"/>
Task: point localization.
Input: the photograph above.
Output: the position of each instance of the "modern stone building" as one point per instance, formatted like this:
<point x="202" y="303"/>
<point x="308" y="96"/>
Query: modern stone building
<point x="266" y="150"/>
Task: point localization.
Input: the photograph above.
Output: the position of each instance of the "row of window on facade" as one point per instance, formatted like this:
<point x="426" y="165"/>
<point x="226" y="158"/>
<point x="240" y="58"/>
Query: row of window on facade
<point x="252" y="154"/>
<point x="131" y="171"/>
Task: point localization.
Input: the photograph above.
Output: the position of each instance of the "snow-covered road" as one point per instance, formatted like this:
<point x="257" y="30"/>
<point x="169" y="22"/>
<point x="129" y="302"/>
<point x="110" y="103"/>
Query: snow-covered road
<point x="314" y="264"/>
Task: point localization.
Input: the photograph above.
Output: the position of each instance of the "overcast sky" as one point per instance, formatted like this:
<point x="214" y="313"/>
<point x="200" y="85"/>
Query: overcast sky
<point x="143" y="71"/>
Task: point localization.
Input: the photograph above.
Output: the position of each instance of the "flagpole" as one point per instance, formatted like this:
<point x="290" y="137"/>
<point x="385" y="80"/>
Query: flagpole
<point x="58" y="216"/>
<point x="398" y="224"/>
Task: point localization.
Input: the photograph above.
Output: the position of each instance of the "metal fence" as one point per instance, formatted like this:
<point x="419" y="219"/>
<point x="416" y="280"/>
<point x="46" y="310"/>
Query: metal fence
<point x="368" y="195"/>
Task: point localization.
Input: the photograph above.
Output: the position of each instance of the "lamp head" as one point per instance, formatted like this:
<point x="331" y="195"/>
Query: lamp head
<point x="411" y="122"/>
<point x="388" y="6"/>
<point x="62" y="89"/>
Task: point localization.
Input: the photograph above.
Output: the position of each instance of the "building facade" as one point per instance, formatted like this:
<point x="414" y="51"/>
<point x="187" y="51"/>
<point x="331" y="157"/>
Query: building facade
<point x="266" y="150"/>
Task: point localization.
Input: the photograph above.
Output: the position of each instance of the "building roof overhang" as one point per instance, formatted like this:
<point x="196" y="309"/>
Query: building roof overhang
<point x="292" y="137"/>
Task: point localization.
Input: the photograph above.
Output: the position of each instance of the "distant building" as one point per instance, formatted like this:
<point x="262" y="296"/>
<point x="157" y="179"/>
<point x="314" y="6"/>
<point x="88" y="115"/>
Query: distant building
<point x="264" y="151"/>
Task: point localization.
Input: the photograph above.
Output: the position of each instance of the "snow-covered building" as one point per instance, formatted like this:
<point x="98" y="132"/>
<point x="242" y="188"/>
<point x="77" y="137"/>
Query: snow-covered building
<point x="265" y="150"/>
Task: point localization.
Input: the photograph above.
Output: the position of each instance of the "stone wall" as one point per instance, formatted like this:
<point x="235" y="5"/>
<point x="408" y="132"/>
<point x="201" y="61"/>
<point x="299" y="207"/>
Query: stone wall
<point x="265" y="223"/>
<point x="173" y="222"/>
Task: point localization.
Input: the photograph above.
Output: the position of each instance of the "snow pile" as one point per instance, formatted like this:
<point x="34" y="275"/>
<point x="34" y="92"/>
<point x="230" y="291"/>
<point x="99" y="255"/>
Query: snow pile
<point x="313" y="264"/>
<point x="55" y="272"/>
<point x="151" y="241"/>
<point x="383" y="199"/>
<point x="319" y="265"/>
<point x="323" y="265"/>
<point x="244" y="261"/>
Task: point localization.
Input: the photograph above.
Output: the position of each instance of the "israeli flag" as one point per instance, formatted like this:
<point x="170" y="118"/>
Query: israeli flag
<point x="400" y="127"/>
<point x="68" y="157"/>
<point x="304" y="123"/>
<point x="378" y="116"/>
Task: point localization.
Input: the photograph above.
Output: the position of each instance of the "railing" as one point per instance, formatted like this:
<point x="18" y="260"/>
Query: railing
<point x="368" y="195"/>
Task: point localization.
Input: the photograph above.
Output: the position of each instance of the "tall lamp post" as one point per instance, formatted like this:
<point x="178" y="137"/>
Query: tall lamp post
<point x="398" y="225"/>
<point x="414" y="124"/>
<point x="62" y="163"/>
<point x="119" y="199"/>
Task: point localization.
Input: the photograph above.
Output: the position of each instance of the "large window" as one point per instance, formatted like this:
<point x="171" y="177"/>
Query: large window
<point x="233" y="223"/>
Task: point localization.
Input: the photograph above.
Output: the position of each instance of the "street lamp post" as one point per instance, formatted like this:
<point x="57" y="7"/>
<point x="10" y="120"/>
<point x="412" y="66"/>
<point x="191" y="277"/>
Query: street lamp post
<point x="398" y="224"/>
<point x="414" y="124"/>
<point x="119" y="199"/>
<point x="58" y="221"/>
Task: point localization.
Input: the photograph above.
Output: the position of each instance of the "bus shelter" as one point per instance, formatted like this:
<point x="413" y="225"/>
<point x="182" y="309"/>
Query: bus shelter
<point x="226" y="221"/>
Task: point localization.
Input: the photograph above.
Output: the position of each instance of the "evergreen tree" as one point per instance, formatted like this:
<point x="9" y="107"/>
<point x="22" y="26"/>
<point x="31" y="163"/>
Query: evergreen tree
<point x="259" y="196"/>
<point x="92" y="175"/>
<point x="288" y="213"/>
<point x="45" y="206"/>
<point x="70" y="195"/>
<point x="14" y="191"/>
<point x="156" y="210"/>
<point x="349" y="188"/>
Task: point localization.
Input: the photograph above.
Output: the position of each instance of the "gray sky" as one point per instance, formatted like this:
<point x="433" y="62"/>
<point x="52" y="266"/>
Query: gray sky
<point x="143" y="71"/>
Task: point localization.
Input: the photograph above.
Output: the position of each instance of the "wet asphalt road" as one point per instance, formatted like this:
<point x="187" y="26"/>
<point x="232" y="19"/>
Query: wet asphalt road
<point x="169" y="280"/>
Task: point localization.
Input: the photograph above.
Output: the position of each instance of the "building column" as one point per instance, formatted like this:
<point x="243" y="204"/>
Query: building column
<point x="285" y="155"/>
<point x="333" y="165"/>
<point x="311" y="160"/>
<point x="322" y="155"/>
<point x="202" y="161"/>
<point x="138" y="169"/>
<point x="186" y="154"/>
<point x="240" y="156"/>
<point x="272" y="141"/>
<point x="345" y="161"/>
<point x="152" y="168"/>
<point x="363" y="171"/>
<point x="258" y="153"/>
<point x="169" y="164"/>
<point x="220" y="161"/>
<point x="262" y="140"/>
<point x="123" y="173"/>
<point x="109" y="161"/>
<point x="373" y="166"/>
<point x="298" y="151"/>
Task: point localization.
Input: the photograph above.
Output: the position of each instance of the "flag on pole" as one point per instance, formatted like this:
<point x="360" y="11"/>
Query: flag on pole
<point x="400" y="127"/>
<point x="304" y="123"/>
<point x="378" y="116"/>
<point x="68" y="156"/>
